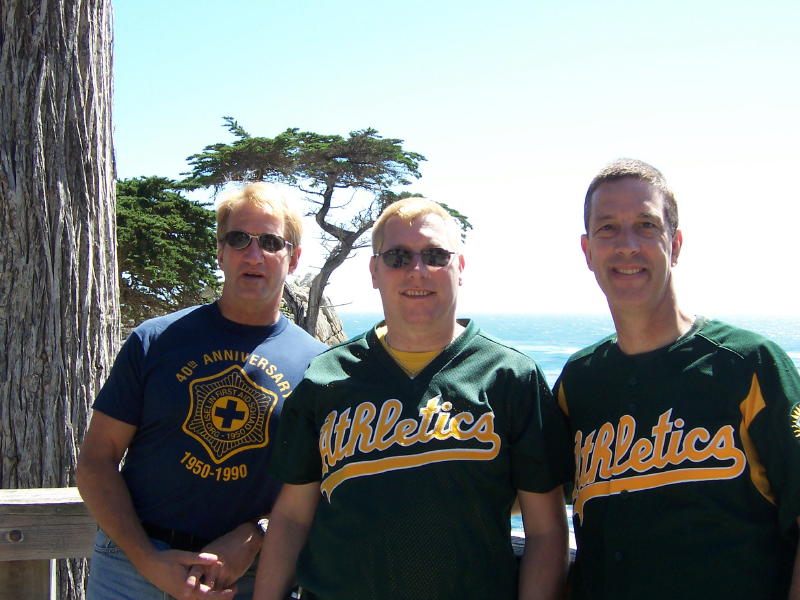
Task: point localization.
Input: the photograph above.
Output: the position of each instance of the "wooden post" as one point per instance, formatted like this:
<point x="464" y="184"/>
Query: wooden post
<point x="36" y="526"/>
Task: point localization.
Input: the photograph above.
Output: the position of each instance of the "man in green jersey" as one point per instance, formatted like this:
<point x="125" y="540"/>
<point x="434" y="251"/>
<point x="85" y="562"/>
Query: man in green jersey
<point x="686" y="430"/>
<point x="402" y="450"/>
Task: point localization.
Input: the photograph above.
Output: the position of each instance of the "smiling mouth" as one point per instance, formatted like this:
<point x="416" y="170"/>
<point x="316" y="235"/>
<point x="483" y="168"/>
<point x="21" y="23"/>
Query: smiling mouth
<point x="417" y="293"/>
<point x="629" y="271"/>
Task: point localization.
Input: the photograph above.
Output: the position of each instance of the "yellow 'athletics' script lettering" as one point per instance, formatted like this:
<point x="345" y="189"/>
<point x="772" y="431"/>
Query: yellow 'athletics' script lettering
<point x="255" y="360"/>
<point x="608" y="460"/>
<point x="366" y="429"/>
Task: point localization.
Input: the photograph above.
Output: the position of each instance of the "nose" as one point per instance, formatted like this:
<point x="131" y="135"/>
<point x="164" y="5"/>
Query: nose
<point x="253" y="253"/>
<point x="627" y="241"/>
<point x="416" y="265"/>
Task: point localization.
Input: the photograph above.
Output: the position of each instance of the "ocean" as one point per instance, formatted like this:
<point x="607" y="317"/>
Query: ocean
<point x="551" y="339"/>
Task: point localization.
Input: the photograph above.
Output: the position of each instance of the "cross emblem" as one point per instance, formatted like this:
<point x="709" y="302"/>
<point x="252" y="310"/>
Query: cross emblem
<point x="229" y="413"/>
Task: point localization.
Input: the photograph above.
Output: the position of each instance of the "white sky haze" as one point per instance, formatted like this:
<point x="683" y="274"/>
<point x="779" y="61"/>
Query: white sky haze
<point x="515" y="105"/>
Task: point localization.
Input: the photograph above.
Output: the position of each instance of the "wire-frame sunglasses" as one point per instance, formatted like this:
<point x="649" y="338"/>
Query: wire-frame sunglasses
<point x="240" y="240"/>
<point x="399" y="258"/>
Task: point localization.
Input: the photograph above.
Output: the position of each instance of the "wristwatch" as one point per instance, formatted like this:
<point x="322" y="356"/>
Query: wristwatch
<point x="262" y="524"/>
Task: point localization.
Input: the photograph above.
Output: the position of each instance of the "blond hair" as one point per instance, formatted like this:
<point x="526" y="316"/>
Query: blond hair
<point x="262" y="196"/>
<point x="409" y="209"/>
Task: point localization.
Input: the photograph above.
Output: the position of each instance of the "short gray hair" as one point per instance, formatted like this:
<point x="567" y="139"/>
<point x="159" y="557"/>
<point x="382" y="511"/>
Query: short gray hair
<point x="631" y="168"/>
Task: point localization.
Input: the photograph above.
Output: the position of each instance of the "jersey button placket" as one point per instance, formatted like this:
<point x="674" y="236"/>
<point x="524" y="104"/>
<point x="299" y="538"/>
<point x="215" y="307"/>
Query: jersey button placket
<point x="630" y="404"/>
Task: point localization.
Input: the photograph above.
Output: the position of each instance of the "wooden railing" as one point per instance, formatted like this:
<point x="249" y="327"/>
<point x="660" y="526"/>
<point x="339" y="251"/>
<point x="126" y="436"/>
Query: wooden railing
<point x="36" y="527"/>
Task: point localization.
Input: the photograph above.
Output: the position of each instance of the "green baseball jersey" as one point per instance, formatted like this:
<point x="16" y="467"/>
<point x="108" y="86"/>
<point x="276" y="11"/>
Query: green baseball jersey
<point x="687" y="467"/>
<point x="418" y="475"/>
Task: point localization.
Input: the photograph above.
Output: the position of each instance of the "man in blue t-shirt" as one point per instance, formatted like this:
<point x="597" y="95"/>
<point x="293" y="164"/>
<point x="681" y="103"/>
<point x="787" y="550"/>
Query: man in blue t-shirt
<point x="192" y="403"/>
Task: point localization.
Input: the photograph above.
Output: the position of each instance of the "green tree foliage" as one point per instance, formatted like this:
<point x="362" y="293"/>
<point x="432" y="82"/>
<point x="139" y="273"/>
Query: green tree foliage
<point x="364" y="167"/>
<point x="166" y="249"/>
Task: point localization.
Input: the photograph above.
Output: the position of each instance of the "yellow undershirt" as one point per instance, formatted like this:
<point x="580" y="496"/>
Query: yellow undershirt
<point x="411" y="362"/>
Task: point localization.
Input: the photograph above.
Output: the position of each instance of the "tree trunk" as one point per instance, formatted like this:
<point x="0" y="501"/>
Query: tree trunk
<point x="59" y="310"/>
<point x="329" y="329"/>
<point x="316" y="292"/>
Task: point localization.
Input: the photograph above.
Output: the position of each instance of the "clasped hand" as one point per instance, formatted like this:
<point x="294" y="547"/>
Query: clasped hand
<point x="234" y="553"/>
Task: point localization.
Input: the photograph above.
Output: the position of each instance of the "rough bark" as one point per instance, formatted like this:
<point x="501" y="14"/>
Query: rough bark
<point x="59" y="311"/>
<point x="328" y="327"/>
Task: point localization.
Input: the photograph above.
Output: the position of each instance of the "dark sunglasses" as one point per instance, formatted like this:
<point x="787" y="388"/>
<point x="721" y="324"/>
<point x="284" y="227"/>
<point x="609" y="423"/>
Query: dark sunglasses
<point x="397" y="258"/>
<point x="267" y="241"/>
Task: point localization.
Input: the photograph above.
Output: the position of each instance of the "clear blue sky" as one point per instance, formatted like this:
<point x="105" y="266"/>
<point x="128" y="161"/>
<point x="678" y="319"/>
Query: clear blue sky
<point x="515" y="105"/>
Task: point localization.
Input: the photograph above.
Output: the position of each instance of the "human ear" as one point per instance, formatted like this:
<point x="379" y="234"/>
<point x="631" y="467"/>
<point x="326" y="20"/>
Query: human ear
<point x="587" y="253"/>
<point x="294" y="259"/>
<point x="677" y="244"/>
<point x="373" y="270"/>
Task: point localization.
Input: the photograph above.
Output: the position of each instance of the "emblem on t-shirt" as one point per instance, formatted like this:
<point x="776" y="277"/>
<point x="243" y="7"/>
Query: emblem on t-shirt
<point x="796" y="420"/>
<point x="229" y="413"/>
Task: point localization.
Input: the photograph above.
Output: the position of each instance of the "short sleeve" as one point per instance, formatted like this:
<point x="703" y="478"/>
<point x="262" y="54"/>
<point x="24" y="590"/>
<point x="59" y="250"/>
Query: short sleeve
<point x="121" y="396"/>
<point x="540" y="450"/>
<point x="775" y="429"/>
<point x="296" y="457"/>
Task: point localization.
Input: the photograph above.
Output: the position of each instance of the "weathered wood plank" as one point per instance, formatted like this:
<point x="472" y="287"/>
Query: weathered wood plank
<point x="44" y="523"/>
<point x="57" y="497"/>
<point x="24" y="580"/>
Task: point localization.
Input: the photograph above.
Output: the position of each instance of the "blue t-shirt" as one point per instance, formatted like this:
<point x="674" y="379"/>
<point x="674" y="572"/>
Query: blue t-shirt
<point x="205" y="394"/>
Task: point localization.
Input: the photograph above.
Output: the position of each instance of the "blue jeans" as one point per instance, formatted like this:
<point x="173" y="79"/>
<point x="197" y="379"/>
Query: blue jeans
<point x="113" y="577"/>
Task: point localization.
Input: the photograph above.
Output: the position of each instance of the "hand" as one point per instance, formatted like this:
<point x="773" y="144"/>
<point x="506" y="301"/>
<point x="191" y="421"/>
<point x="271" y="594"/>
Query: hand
<point x="206" y="578"/>
<point x="235" y="551"/>
<point x="169" y="571"/>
